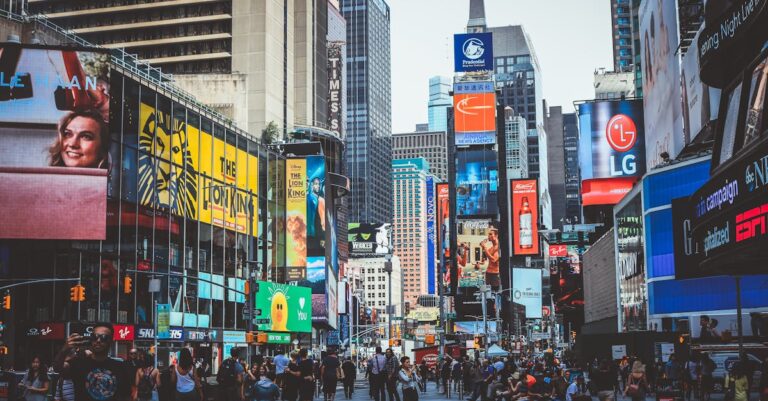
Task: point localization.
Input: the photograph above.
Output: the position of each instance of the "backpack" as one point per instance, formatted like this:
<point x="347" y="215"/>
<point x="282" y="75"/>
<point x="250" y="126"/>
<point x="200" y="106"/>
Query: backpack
<point x="226" y="374"/>
<point x="145" y="386"/>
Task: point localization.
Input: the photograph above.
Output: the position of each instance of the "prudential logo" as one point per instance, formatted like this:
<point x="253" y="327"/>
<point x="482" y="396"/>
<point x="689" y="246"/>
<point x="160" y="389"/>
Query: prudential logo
<point x="473" y="48"/>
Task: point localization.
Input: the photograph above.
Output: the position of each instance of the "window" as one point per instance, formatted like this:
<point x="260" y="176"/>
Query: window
<point x="729" y="125"/>
<point x="754" y="123"/>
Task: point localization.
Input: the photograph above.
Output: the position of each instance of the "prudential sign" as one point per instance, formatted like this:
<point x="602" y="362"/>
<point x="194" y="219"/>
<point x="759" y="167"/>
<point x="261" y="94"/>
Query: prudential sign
<point x="472" y="52"/>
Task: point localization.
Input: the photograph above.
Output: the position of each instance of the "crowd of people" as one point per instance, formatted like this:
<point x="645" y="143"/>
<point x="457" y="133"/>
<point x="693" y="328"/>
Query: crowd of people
<point x="86" y="372"/>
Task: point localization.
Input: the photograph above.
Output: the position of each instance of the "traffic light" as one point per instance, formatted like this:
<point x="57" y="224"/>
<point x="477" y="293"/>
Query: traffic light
<point x="249" y="337"/>
<point x="7" y="301"/>
<point x="429" y="339"/>
<point x="478" y="342"/>
<point x="3" y="350"/>
<point x="247" y="289"/>
<point x="77" y="293"/>
<point x="683" y="346"/>
<point x="262" y="338"/>
<point x="127" y="283"/>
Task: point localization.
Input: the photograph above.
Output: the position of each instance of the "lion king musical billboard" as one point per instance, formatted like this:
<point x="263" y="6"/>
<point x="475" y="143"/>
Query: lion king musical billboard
<point x="54" y="142"/>
<point x="284" y="307"/>
<point x="194" y="174"/>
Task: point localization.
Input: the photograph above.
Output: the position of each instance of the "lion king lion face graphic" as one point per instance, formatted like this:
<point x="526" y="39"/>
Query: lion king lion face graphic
<point x="167" y="172"/>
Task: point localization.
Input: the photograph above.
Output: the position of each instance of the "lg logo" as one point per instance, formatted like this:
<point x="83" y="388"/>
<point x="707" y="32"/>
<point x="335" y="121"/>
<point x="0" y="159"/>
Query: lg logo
<point x="621" y="134"/>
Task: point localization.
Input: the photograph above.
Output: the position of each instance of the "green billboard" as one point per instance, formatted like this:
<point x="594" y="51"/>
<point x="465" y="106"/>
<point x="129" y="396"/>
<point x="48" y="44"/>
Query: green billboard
<point x="282" y="307"/>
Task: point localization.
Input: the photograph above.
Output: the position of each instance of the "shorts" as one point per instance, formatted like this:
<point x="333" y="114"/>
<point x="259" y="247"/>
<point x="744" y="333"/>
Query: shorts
<point x="329" y="386"/>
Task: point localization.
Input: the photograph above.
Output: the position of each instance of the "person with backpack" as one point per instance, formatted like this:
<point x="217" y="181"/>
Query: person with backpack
<point x="184" y="378"/>
<point x="147" y="382"/>
<point x="263" y="388"/>
<point x="379" y="372"/>
<point x="230" y="378"/>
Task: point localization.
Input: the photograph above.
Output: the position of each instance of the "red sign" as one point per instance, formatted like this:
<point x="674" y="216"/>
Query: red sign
<point x="124" y="333"/>
<point x="751" y="223"/>
<point x="474" y="112"/>
<point x="428" y="354"/>
<point x="525" y="217"/>
<point x="605" y="191"/>
<point x="621" y="133"/>
<point x="558" y="251"/>
<point x="49" y="331"/>
<point x="545" y="311"/>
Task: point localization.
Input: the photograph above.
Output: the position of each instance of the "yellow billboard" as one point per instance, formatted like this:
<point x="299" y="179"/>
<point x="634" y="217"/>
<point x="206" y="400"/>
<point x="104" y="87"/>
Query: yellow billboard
<point x="296" y="211"/>
<point x="194" y="174"/>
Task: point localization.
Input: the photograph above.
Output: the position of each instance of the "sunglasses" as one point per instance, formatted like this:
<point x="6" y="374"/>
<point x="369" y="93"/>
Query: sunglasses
<point x="105" y="338"/>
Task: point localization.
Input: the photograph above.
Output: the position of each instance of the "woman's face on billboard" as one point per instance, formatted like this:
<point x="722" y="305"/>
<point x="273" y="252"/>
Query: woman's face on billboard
<point x="81" y="142"/>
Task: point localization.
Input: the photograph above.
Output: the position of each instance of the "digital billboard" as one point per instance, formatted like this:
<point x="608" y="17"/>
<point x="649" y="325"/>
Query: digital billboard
<point x="431" y="236"/>
<point x="630" y="265"/>
<point x="192" y="173"/>
<point x="283" y="307"/>
<point x="611" y="149"/>
<point x="474" y="113"/>
<point x="477" y="253"/>
<point x="442" y="204"/>
<point x="316" y="210"/>
<point x="54" y="142"/>
<point x="700" y="101"/>
<point x="477" y="182"/>
<point x="525" y="217"/>
<point x="296" y="212"/>
<point x="369" y="240"/>
<point x="526" y="290"/>
<point x="660" y="60"/>
<point x="472" y="51"/>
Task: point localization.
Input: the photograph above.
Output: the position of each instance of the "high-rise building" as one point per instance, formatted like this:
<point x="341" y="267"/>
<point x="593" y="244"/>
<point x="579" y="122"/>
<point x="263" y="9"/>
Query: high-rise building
<point x="369" y="109"/>
<point x="516" y="136"/>
<point x="614" y="84"/>
<point x="431" y="146"/>
<point x="409" y="231"/>
<point x="268" y="55"/>
<point x="572" y="175"/>
<point x="375" y="283"/>
<point x="439" y="100"/>
<point x="625" y="23"/>
<point x="553" y="123"/>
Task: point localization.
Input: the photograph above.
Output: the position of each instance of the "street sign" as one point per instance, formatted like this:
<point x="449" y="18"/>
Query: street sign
<point x="540" y="336"/>
<point x="450" y="316"/>
<point x="397" y="318"/>
<point x="261" y="321"/>
<point x="439" y="330"/>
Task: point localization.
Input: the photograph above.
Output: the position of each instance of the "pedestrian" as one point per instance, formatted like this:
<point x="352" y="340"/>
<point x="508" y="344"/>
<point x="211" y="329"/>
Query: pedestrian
<point x="445" y="375"/>
<point x="230" y="378"/>
<point x="409" y="380"/>
<point x="34" y="385"/>
<point x="736" y="383"/>
<point x="637" y="382"/>
<point x="330" y="372"/>
<point x="263" y="387"/>
<point x="147" y="381"/>
<point x="423" y="373"/>
<point x="307" y="376"/>
<point x="379" y="374"/>
<point x="603" y="382"/>
<point x="350" y="375"/>
<point x="577" y="390"/>
<point x="371" y="377"/>
<point x="763" y="385"/>
<point x="65" y="389"/>
<point x="706" y="381"/>
<point x="281" y="364"/>
<point x="456" y="375"/>
<point x="94" y="362"/>
<point x="292" y="379"/>
<point x="691" y="376"/>
<point x="184" y="379"/>
<point x="476" y="378"/>
<point x="393" y="367"/>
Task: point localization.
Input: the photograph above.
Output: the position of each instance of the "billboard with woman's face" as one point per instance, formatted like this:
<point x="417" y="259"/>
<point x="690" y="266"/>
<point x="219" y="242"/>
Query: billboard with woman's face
<point x="54" y="114"/>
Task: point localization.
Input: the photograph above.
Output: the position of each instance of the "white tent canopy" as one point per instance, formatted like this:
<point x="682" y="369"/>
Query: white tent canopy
<point x="495" y="350"/>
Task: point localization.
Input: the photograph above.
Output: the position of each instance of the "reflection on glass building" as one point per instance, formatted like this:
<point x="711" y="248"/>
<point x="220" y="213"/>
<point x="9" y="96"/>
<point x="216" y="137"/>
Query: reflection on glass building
<point x="630" y="264"/>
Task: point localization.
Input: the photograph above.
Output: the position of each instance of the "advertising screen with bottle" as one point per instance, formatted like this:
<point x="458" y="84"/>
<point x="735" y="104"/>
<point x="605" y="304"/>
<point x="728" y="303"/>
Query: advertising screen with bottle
<point x="477" y="253"/>
<point x="525" y="217"/>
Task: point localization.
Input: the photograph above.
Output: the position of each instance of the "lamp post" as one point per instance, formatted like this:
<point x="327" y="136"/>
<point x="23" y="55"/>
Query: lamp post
<point x="388" y="270"/>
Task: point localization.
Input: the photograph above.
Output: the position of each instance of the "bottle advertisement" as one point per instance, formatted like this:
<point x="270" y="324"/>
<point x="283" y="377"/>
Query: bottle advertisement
<point x="525" y="217"/>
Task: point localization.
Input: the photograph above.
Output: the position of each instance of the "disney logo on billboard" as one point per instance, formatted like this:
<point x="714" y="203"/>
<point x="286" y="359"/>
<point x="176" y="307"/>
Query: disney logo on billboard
<point x="756" y="174"/>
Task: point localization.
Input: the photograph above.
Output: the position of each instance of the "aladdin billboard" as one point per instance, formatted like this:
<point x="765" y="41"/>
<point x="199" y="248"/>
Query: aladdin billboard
<point x="474" y="113"/>
<point x="54" y="142"/>
<point x="611" y="149"/>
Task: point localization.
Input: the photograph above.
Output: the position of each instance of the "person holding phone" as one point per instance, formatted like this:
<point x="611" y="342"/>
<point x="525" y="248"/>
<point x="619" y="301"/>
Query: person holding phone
<point x="96" y="376"/>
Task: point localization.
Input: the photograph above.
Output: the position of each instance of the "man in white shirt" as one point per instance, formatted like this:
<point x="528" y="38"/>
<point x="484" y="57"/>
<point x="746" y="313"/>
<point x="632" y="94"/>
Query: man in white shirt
<point x="576" y="389"/>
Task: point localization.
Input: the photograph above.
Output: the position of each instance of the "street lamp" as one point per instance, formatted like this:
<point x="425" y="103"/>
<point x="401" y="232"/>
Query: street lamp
<point x="388" y="270"/>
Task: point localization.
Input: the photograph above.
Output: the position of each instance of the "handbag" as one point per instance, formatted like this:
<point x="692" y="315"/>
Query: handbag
<point x="340" y="373"/>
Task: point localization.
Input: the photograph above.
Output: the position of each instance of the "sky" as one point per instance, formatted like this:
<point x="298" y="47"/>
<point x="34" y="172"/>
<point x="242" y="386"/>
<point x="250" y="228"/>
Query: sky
<point x="571" y="38"/>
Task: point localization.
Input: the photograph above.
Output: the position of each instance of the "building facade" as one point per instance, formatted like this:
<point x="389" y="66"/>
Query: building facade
<point x="439" y="100"/>
<point x="375" y="285"/>
<point x="409" y="230"/>
<point x="625" y="28"/>
<point x="555" y="129"/>
<point x="614" y="85"/>
<point x="432" y="146"/>
<point x="369" y="109"/>
<point x="516" y="136"/>
<point x="572" y="175"/>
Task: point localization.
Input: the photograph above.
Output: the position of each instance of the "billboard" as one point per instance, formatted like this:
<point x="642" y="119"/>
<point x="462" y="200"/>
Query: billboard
<point x="700" y="101"/>
<point x="431" y="237"/>
<point x="661" y="80"/>
<point x="525" y="217"/>
<point x="474" y="327"/>
<point x="630" y="265"/>
<point x="336" y="95"/>
<point x="442" y="204"/>
<point x="316" y="210"/>
<point x="283" y="307"/>
<point x="474" y="113"/>
<point x="473" y="51"/>
<point x="526" y="290"/>
<point x="195" y="174"/>
<point x="477" y="182"/>
<point x="369" y="240"/>
<point x="296" y="212"/>
<point x="477" y="253"/>
<point x="54" y="142"/>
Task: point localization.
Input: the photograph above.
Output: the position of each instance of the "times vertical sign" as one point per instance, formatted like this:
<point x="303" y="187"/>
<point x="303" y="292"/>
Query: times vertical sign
<point x="524" y="217"/>
<point x="334" y="86"/>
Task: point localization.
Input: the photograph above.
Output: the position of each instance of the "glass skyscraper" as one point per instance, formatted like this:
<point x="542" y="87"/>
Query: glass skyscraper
<point x="439" y="99"/>
<point x="369" y="106"/>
